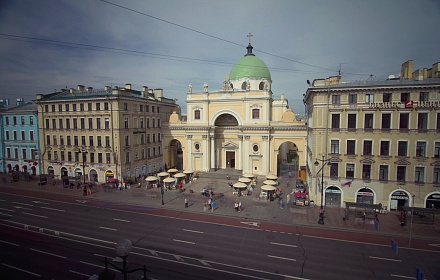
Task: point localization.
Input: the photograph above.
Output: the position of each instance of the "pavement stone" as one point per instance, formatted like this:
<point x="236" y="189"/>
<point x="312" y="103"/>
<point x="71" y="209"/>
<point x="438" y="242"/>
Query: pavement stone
<point x="254" y="209"/>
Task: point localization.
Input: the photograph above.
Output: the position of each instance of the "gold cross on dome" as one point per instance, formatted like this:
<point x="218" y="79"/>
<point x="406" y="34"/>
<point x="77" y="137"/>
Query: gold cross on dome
<point x="249" y="36"/>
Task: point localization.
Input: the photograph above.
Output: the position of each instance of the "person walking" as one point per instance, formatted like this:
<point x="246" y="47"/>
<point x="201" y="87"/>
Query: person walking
<point x="205" y="206"/>
<point x="212" y="206"/>
<point x="376" y="222"/>
<point x="186" y="202"/>
<point x="288" y="199"/>
<point x="239" y="206"/>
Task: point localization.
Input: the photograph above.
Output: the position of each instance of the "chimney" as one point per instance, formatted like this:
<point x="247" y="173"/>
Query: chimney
<point x="127" y="86"/>
<point x="158" y="93"/>
<point x="71" y="90"/>
<point x="81" y="87"/>
<point x="89" y="89"/>
<point x="144" y="91"/>
<point x="107" y="88"/>
<point x="406" y="70"/>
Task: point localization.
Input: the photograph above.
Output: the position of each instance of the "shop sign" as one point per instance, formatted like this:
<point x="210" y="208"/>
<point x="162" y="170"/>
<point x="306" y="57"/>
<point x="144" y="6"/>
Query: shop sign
<point x="332" y="191"/>
<point x="365" y="193"/>
<point x="406" y="104"/>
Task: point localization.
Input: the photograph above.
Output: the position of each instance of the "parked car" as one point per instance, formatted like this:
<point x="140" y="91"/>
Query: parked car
<point x="300" y="184"/>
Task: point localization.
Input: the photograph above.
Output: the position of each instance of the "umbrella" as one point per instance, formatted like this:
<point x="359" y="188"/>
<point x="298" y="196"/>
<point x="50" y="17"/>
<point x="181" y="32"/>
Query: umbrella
<point x="268" y="188"/>
<point x="163" y="174"/>
<point x="248" y="175"/>
<point x="169" y="180"/>
<point x="188" y="171"/>
<point x="244" y="180"/>
<point x="270" y="182"/>
<point x="240" y="185"/>
<point x="173" y="170"/>
<point x="151" y="178"/>
<point x="271" y="177"/>
<point x="179" y="175"/>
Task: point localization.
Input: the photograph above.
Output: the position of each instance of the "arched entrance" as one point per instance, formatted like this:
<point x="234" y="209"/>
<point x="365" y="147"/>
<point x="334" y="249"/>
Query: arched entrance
<point x="226" y="154"/>
<point x="333" y="196"/>
<point x="398" y="199"/>
<point x="365" y="195"/>
<point x="77" y="172"/>
<point x="34" y="170"/>
<point x="24" y="168"/>
<point x="433" y="200"/>
<point x="109" y="174"/>
<point x="175" y="156"/>
<point x="287" y="159"/>
<point x="136" y="172"/>
<point x="64" y="171"/>
<point x="50" y="170"/>
<point x="93" y="175"/>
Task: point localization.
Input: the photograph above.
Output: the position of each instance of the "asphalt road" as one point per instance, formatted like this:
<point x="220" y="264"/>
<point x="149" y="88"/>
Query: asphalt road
<point x="50" y="239"/>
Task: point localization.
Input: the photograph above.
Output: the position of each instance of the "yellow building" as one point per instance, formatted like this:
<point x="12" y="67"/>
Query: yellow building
<point x="239" y="127"/>
<point x="108" y="133"/>
<point x="378" y="139"/>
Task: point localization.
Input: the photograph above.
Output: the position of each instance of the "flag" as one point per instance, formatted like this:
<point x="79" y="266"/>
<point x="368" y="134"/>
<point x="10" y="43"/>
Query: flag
<point x="348" y="183"/>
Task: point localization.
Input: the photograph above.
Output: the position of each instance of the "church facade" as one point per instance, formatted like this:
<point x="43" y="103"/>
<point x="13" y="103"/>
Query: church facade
<point x="239" y="127"/>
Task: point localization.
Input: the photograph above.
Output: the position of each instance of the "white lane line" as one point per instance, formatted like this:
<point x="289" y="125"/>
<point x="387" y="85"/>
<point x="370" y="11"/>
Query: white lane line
<point x="401" y="276"/>
<point x="5" y="214"/>
<point x="23" y="204"/>
<point x="205" y="263"/>
<point x="121" y="220"/>
<point x="102" y="256"/>
<point x="178" y="258"/>
<point x="22" y="270"/>
<point x="79" y="273"/>
<point x="183" y="241"/>
<point x="288" y="245"/>
<point x="108" y="228"/>
<point x="40" y="202"/>
<point x="54" y="209"/>
<point x="2" y="200"/>
<point x="34" y="215"/>
<point x="47" y="253"/>
<point x="195" y="231"/>
<point x="9" y="243"/>
<point x="7" y="210"/>
<point x="393" y="260"/>
<point x="21" y="207"/>
<point x="270" y="256"/>
<point x="100" y="266"/>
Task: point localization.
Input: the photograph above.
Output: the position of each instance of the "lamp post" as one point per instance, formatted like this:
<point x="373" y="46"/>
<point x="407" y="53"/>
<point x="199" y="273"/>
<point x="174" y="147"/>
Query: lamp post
<point x="123" y="249"/>
<point x="84" y="153"/>
<point x="321" y="210"/>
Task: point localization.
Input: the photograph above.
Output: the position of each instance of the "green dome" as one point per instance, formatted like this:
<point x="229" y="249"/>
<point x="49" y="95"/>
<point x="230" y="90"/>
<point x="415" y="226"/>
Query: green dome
<point x="249" y="66"/>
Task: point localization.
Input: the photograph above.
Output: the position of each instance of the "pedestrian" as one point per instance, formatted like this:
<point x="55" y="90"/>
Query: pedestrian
<point x="281" y="204"/>
<point x="288" y="199"/>
<point x="364" y="216"/>
<point x="236" y="206"/>
<point x="212" y="206"/>
<point x="239" y="206"/>
<point x="376" y="223"/>
<point x="209" y="203"/>
<point x="205" y="205"/>
<point x="186" y="202"/>
<point x="227" y="177"/>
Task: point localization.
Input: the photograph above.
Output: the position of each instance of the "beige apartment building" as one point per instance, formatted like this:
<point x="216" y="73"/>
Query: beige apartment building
<point x="105" y="133"/>
<point x="378" y="139"/>
<point x="240" y="127"/>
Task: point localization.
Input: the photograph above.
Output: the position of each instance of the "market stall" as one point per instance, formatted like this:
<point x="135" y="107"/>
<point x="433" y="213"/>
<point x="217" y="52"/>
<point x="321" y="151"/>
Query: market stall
<point x="267" y="191"/>
<point x="170" y="183"/>
<point x="238" y="188"/>
<point x="151" y="182"/>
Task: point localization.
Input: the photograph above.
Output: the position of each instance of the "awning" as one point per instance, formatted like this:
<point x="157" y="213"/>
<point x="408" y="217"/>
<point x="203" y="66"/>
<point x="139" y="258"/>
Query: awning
<point x="271" y="177"/>
<point x="151" y="179"/>
<point x="270" y="182"/>
<point x="179" y="175"/>
<point x="239" y="185"/>
<point x="188" y="171"/>
<point x="163" y="174"/>
<point x="173" y="170"/>
<point x="268" y="188"/>
<point x="244" y="180"/>
<point x="109" y="174"/>
<point x="248" y="175"/>
<point x="169" y="180"/>
<point x="299" y="195"/>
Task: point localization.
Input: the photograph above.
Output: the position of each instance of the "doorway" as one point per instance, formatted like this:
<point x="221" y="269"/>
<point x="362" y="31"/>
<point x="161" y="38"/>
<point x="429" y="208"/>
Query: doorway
<point x="230" y="159"/>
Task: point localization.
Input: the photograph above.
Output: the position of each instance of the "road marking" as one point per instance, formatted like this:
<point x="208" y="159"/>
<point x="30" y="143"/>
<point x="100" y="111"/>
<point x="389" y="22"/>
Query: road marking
<point x="195" y="231"/>
<point x="108" y="228"/>
<point x="255" y="224"/>
<point x="47" y="253"/>
<point x="154" y="253"/>
<point x="205" y="263"/>
<point x="393" y="260"/>
<point x="178" y="258"/>
<point x="21" y="207"/>
<point x="121" y="220"/>
<point x="183" y="241"/>
<point x="7" y="210"/>
<point x="22" y="270"/>
<point x="9" y="243"/>
<point x="288" y="245"/>
<point x="23" y="204"/>
<point x="79" y="273"/>
<point x="54" y="209"/>
<point x="40" y="202"/>
<point x="401" y="276"/>
<point x="5" y="214"/>
<point x="102" y="256"/>
<point x="34" y="215"/>
<point x="81" y="201"/>
<point x="270" y="256"/>
<point x="435" y="245"/>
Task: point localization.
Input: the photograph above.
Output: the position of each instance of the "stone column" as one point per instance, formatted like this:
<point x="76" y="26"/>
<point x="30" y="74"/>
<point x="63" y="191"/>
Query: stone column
<point x="246" y="158"/>
<point x="240" y="152"/>
<point x="212" y="154"/>
<point x="189" y="148"/>
<point x="205" y="158"/>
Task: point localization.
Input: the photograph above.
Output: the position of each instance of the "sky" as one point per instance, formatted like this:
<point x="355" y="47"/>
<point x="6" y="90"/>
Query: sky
<point x="48" y="45"/>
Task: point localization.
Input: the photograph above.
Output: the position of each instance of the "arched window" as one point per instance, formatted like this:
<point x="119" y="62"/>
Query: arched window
<point x="197" y="114"/>
<point x="255" y="113"/>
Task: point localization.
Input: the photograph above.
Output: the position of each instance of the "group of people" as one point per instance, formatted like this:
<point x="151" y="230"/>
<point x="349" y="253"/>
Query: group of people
<point x="237" y="206"/>
<point x="210" y="204"/>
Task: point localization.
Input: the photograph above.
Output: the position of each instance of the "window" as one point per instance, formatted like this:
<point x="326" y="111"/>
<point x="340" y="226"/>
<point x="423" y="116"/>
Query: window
<point x="404" y="96"/>
<point x="402" y="148"/>
<point x="334" y="169"/>
<point x="436" y="176"/>
<point x="68" y="123"/>
<point x="127" y="140"/>
<point x="106" y="106"/>
<point x="14" y="120"/>
<point x="90" y="123"/>
<point x="141" y="108"/>
<point x="47" y="123"/>
<point x="107" y="158"/>
<point x="76" y="157"/>
<point x="125" y="106"/>
<point x="23" y="154"/>
<point x="351" y="147"/>
<point x="148" y="138"/>
<point x="99" y="141"/>
<point x="383" y="173"/>
<point x="107" y="123"/>
<point x="368" y="122"/>
<point x="352" y="98"/>
<point x="369" y="98"/>
<point x="368" y="148"/>
<point x="147" y="108"/>
<point x="62" y="156"/>
<point x="89" y="106"/>
<point x="31" y="135"/>
<point x="54" y="138"/>
<point x="23" y="136"/>
<point x="127" y="157"/>
<point x="125" y="122"/>
<point x="22" y="120"/>
<point x="69" y="156"/>
<point x="386" y="97"/>
<point x="255" y="113"/>
<point x="53" y="108"/>
<point x="384" y="148"/>
<point x="83" y="140"/>
<point x="159" y="139"/>
<point x="401" y="172"/>
<point x="419" y="175"/>
<point x="74" y="107"/>
<point x="422" y="121"/>
<point x="152" y="109"/>
<point x="67" y="106"/>
<point x="421" y="149"/>
<point x="81" y="107"/>
<point x="197" y="114"/>
<point x="423" y="96"/>
<point x="99" y="157"/>
<point x="255" y="148"/>
<point x="404" y="121"/>
<point x="75" y="140"/>
<point x="334" y="146"/>
<point x="54" y="123"/>
<point x="437" y="149"/>
<point x="141" y="120"/>
<point x="154" y="137"/>
<point x="98" y="106"/>
<point x="7" y="136"/>
<point x="91" y="141"/>
<point x="60" y="108"/>
<point x="98" y="123"/>
<point x="61" y="140"/>
<point x="351" y="121"/>
<point x="49" y="155"/>
<point x="349" y="171"/>
<point x="75" y="123"/>
<point x="69" y="140"/>
<point x="197" y="146"/>
<point x="82" y="123"/>
<point x="143" y="139"/>
<point x="336" y="120"/>
<point x="107" y="141"/>
<point x="92" y="157"/>
<point x="148" y="123"/>
<point x="31" y="120"/>
<point x="60" y="123"/>
<point x="438" y="121"/>
<point x="46" y="108"/>
<point x="366" y="171"/>
<point x="153" y="121"/>
<point x="336" y="99"/>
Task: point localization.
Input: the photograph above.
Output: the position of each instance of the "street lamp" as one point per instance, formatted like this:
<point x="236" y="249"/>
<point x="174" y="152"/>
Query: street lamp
<point x="321" y="210"/>
<point x="84" y="153"/>
<point x="123" y="249"/>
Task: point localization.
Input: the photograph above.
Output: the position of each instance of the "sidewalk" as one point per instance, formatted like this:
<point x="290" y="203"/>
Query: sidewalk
<point x="254" y="209"/>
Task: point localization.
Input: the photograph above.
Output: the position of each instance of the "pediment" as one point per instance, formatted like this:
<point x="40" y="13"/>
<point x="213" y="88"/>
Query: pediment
<point x="230" y="145"/>
<point x="402" y="162"/>
<point x="367" y="160"/>
<point x="436" y="163"/>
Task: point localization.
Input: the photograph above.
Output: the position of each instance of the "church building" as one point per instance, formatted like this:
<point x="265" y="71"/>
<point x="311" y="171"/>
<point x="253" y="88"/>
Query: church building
<point x="239" y="127"/>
